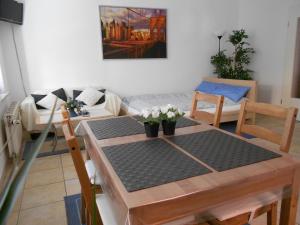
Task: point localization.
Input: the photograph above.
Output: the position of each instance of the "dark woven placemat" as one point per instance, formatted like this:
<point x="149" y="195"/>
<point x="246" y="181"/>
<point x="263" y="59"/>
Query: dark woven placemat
<point x="151" y="163"/>
<point x="181" y="122"/>
<point x="115" y="127"/>
<point x="222" y="151"/>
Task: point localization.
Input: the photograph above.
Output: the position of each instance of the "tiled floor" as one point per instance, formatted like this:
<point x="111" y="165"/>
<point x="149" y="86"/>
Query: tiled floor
<point x="42" y="201"/>
<point x="52" y="178"/>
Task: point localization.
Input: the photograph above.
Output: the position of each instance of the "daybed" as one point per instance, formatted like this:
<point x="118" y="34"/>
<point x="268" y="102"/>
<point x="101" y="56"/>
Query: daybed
<point x="33" y="119"/>
<point x="135" y="104"/>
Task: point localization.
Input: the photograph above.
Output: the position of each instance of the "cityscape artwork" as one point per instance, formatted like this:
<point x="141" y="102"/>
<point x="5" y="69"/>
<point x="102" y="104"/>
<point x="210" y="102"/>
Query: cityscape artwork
<point x="131" y="33"/>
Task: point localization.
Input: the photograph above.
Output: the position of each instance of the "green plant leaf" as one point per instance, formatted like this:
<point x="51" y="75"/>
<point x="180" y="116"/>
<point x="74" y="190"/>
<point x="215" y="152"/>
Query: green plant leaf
<point x="17" y="181"/>
<point x="234" y="65"/>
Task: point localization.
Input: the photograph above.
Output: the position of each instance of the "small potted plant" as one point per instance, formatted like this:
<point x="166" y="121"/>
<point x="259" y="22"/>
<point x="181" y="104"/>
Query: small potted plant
<point x="151" y="119"/>
<point x="169" y="115"/>
<point x="73" y="104"/>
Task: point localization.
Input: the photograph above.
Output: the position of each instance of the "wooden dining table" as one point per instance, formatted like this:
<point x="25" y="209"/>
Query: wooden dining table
<point x="198" y="194"/>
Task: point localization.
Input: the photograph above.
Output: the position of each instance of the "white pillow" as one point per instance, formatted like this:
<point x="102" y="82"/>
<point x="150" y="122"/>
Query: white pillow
<point x="90" y="96"/>
<point x="48" y="102"/>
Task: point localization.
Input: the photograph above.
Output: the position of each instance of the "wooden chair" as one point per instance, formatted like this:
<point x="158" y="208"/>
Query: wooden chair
<point x="89" y="168"/>
<point x="211" y="118"/>
<point x="288" y="114"/>
<point x="238" y="213"/>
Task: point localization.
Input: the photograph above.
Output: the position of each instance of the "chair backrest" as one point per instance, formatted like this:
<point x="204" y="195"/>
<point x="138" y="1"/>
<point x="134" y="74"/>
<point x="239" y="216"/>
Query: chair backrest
<point x="283" y="139"/>
<point x="78" y="161"/>
<point x="211" y="118"/>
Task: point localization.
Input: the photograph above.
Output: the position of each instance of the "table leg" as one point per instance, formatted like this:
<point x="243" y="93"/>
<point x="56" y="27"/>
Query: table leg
<point x="131" y="220"/>
<point x="289" y="204"/>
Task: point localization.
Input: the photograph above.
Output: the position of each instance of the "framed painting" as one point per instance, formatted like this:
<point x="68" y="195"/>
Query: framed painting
<point x="133" y="33"/>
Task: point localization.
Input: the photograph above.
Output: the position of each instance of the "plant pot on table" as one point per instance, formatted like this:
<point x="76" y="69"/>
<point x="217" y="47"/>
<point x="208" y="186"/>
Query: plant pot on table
<point x="151" y="129"/>
<point x="169" y="127"/>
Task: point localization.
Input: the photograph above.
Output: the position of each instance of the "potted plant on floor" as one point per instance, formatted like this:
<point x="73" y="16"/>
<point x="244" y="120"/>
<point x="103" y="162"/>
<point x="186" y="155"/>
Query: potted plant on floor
<point x="73" y="105"/>
<point x="169" y="116"/>
<point x="235" y="65"/>
<point x="151" y="119"/>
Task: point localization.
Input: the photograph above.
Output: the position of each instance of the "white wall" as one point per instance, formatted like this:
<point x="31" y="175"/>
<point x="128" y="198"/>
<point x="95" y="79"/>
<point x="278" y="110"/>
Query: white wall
<point x="9" y="61"/>
<point x="3" y="106"/>
<point x="62" y="46"/>
<point x="59" y="45"/>
<point x="266" y="21"/>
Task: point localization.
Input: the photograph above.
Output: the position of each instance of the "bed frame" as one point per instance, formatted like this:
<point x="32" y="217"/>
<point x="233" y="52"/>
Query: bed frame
<point x="232" y="115"/>
<point x="252" y="95"/>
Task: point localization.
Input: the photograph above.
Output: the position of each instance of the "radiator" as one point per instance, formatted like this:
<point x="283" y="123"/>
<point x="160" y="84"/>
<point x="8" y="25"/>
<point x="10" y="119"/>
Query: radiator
<point x="14" y="130"/>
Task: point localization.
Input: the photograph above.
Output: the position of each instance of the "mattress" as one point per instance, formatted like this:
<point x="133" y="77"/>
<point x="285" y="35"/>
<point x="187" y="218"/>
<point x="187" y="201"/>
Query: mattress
<point x="135" y="104"/>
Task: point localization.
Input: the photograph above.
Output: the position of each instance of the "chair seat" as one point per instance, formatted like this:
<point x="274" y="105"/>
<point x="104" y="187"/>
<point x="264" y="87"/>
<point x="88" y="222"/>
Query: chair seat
<point x="105" y="210"/>
<point x="108" y="217"/>
<point x="242" y="206"/>
<point x="94" y="176"/>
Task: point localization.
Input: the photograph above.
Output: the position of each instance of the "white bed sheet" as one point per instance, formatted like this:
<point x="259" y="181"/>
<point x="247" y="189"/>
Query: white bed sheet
<point x="135" y="104"/>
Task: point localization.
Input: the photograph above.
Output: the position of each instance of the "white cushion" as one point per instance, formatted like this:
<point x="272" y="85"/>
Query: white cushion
<point x="92" y="173"/>
<point x="49" y="101"/>
<point x="105" y="210"/>
<point x="109" y="218"/>
<point x="250" y="204"/>
<point x="90" y="96"/>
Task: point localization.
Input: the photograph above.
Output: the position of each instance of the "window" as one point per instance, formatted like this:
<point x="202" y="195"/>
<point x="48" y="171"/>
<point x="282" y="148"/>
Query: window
<point x="1" y="81"/>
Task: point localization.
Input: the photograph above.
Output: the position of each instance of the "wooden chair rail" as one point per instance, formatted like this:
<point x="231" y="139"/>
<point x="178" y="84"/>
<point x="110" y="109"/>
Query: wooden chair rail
<point x="267" y="109"/>
<point x="262" y="132"/>
<point x="213" y="118"/>
<point x="205" y="116"/>
<point x="207" y="98"/>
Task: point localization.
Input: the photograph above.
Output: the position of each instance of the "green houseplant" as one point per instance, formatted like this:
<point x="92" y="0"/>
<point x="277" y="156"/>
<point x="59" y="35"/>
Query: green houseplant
<point x="17" y="179"/>
<point x="235" y="65"/>
<point x="73" y="105"/>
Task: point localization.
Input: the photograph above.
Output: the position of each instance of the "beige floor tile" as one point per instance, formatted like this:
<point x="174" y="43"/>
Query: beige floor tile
<point x="51" y="214"/>
<point x="66" y="160"/>
<point x="73" y="187"/>
<point x="13" y="219"/>
<point x="44" y="177"/>
<point x="69" y="173"/>
<point x="48" y="145"/>
<point x="46" y="163"/>
<point x="41" y="195"/>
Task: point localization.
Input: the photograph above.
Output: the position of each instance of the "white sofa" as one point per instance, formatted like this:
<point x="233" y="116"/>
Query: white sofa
<point x="31" y="115"/>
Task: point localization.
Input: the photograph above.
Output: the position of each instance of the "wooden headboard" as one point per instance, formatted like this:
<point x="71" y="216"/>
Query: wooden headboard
<point x="249" y="83"/>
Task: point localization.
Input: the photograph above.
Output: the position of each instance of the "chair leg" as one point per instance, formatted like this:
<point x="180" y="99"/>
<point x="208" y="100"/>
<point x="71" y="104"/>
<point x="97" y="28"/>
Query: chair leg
<point x="88" y="217"/>
<point x="272" y="214"/>
<point x="83" y="210"/>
